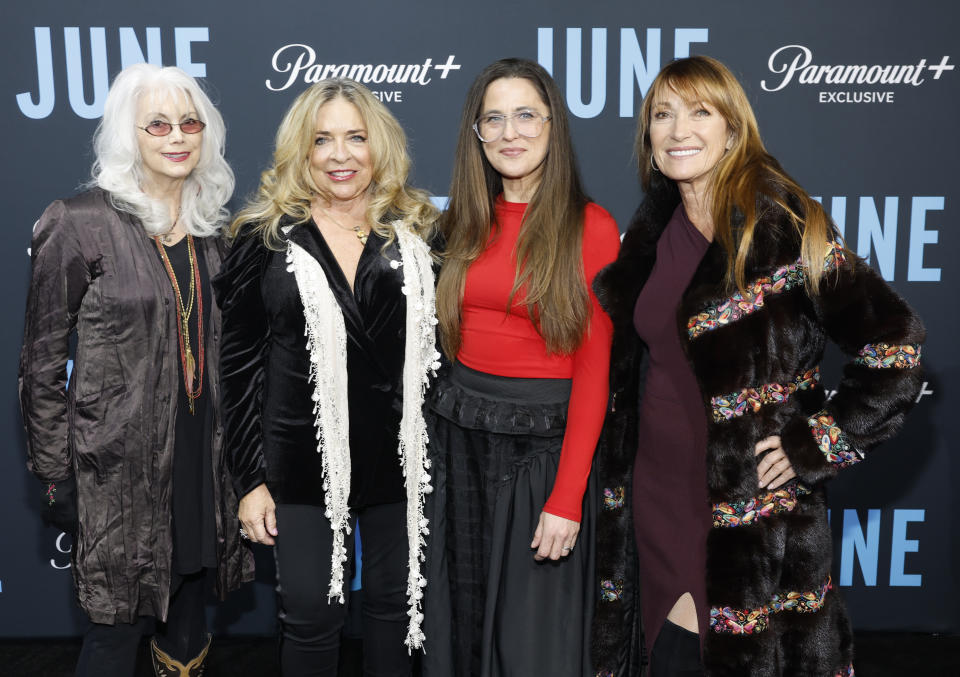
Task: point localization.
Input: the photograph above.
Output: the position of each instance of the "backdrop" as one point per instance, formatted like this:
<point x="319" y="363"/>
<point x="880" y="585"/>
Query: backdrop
<point x="857" y="99"/>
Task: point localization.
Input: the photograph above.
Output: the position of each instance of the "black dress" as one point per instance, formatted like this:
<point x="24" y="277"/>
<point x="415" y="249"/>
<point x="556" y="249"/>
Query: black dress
<point x="670" y="500"/>
<point x="194" y="527"/>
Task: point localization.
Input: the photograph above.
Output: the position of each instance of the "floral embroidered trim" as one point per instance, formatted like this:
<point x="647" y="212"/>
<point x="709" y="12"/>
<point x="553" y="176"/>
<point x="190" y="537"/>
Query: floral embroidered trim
<point x="745" y="513"/>
<point x="740" y="305"/>
<point x="886" y="355"/>
<point x="611" y="591"/>
<point x="726" y="407"/>
<point x="845" y="672"/>
<point x="751" y="621"/>
<point x="831" y="440"/>
<point x="51" y="490"/>
<point x="613" y="498"/>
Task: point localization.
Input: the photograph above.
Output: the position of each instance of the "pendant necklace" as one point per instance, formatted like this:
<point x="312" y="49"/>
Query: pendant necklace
<point x="361" y="234"/>
<point x="184" y="312"/>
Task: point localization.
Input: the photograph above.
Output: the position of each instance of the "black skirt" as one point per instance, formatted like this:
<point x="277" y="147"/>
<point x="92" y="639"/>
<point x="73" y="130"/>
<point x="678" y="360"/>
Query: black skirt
<point x="491" y="609"/>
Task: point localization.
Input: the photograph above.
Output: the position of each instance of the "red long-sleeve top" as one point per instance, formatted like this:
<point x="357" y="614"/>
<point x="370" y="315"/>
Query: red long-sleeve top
<point x="508" y="344"/>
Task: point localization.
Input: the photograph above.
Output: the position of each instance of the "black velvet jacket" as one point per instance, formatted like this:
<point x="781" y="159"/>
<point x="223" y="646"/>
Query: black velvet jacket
<point x="267" y="399"/>
<point x="756" y="553"/>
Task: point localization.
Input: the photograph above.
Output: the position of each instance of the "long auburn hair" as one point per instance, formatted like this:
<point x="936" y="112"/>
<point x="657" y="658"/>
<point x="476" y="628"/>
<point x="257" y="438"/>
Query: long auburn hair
<point x="287" y="187"/>
<point x="745" y="173"/>
<point x="549" y="273"/>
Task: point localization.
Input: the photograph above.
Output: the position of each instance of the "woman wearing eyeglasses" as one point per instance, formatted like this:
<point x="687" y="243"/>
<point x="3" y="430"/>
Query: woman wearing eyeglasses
<point x="516" y="419"/>
<point x="128" y="444"/>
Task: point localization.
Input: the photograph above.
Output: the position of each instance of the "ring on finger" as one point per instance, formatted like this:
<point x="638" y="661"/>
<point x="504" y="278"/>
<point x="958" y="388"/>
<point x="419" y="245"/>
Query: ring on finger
<point x="243" y="534"/>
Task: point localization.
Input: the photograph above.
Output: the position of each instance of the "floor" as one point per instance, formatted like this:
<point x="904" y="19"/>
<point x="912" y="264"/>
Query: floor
<point x="878" y="655"/>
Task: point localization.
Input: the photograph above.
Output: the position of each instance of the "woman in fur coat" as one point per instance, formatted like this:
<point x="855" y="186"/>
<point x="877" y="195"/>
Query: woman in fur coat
<point x="720" y="439"/>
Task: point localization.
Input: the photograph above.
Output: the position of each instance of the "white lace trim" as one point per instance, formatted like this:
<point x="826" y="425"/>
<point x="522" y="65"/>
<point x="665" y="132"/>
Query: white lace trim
<point x="419" y="361"/>
<point x="327" y="346"/>
<point x="326" y="343"/>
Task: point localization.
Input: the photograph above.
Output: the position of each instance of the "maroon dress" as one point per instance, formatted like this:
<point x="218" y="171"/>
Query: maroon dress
<point x="670" y="499"/>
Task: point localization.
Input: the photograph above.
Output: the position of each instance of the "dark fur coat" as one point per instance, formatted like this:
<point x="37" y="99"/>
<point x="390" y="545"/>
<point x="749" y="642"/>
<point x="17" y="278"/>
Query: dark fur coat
<point x="760" y="554"/>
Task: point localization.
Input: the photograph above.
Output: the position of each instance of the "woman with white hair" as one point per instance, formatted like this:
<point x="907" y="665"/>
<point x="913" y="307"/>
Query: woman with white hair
<point x="130" y="454"/>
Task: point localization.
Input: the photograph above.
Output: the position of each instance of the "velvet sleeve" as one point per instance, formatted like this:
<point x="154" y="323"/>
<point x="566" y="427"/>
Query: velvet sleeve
<point x="243" y="352"/>
<point x="60" y="277"/>
<point x="591" y="369"/>
<point x="874" y="326"/>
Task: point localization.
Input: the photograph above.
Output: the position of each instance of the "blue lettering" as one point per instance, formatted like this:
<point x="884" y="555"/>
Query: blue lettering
<point x="901" y="546"/>
<point x="684" y="37"/>
<point x="87" y="97"/>
<point x="98" y="64"/>
<point x="598" y="72"/>
<point x="638" y="66"/>
<point x="919" y="236"/>
<point x="131" y="52"/>
<point x="545" y="48"/>
<point x="183" y="38"/>
<point x="883" y="238"/>
<point x="854" y="543"/>
<point x="45" y="93"/>
<point x="633" y="68"/>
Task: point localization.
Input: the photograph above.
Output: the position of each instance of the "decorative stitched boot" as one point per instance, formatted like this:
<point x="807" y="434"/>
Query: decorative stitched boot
<point x="166" y="666"/>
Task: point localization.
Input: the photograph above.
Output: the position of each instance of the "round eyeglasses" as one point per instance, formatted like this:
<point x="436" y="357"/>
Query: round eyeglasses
<point x="161" y="128"/>
<point x="528" y="123"/>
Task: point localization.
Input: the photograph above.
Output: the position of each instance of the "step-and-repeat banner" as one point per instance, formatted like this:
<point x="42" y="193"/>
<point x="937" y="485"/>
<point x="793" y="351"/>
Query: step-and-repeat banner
<point x="858" y="99"/>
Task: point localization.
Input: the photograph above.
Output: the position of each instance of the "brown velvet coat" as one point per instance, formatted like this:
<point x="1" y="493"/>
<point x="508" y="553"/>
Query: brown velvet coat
<point x="95" y="271"/>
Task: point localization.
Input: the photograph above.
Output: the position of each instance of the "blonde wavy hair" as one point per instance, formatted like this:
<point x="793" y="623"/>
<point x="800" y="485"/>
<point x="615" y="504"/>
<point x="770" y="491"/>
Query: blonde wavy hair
<point x="745" y="173"/>
<point x="287" y="187"/>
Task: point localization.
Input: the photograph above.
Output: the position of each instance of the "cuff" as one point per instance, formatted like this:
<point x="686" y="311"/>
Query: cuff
<point x="817" y="447"/>
<point x="562" y="511"/>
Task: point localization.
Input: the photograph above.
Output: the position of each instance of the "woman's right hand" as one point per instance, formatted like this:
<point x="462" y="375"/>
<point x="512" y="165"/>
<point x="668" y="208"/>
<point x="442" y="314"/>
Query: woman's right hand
<point x="258" y="515"/>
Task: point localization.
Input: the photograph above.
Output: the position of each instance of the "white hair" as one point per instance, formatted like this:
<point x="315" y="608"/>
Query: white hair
<point x="118" y="168"/>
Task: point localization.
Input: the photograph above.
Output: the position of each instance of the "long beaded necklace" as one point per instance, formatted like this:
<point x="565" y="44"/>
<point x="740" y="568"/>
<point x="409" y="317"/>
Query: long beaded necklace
<point x="183" y="319"/>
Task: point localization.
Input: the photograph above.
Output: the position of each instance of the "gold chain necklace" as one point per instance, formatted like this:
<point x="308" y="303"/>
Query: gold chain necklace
<point x="361" y="234"/>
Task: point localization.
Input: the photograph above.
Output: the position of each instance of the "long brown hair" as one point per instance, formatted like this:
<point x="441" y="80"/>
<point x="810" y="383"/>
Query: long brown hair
<point x="287" y="187"/>
<point x="745" y="172"/>
<point x="549" y="272"/>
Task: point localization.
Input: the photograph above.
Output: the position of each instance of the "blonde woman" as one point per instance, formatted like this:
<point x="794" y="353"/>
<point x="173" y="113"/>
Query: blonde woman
<point x="721" y="440"/>
<point x="328" y="308"/>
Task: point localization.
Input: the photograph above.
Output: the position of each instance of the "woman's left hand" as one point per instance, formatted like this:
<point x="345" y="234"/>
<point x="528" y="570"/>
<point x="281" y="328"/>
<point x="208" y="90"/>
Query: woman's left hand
<point x="774" y="469"/>
<point x="554" y="537"/>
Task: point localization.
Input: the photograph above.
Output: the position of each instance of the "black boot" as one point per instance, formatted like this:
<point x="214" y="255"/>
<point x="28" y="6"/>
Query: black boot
<point x="676" y="653"/>
<point x="166" y="666"/>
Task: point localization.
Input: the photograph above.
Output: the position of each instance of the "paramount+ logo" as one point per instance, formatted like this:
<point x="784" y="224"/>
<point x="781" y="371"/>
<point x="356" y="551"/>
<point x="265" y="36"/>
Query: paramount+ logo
<point x="296" y="63"/>
<point x="794" y="65"/>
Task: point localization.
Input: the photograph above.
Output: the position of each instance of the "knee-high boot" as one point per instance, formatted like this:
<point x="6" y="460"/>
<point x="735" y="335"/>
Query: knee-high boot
<point x="676" y="653"/>
<point x="165" y="665"/>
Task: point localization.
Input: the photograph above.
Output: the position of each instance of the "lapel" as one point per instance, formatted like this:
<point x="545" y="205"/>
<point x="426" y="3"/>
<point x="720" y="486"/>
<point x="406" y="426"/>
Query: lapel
<point x="307" y="236"/>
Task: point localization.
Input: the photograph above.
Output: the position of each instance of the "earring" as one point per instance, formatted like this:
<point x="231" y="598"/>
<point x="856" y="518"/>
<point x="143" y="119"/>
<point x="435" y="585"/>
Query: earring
<point x="653" y="164"/>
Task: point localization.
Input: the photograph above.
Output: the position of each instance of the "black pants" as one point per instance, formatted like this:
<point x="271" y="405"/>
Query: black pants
<point x="111" y="650"/>
<point x="310" y="624"/>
